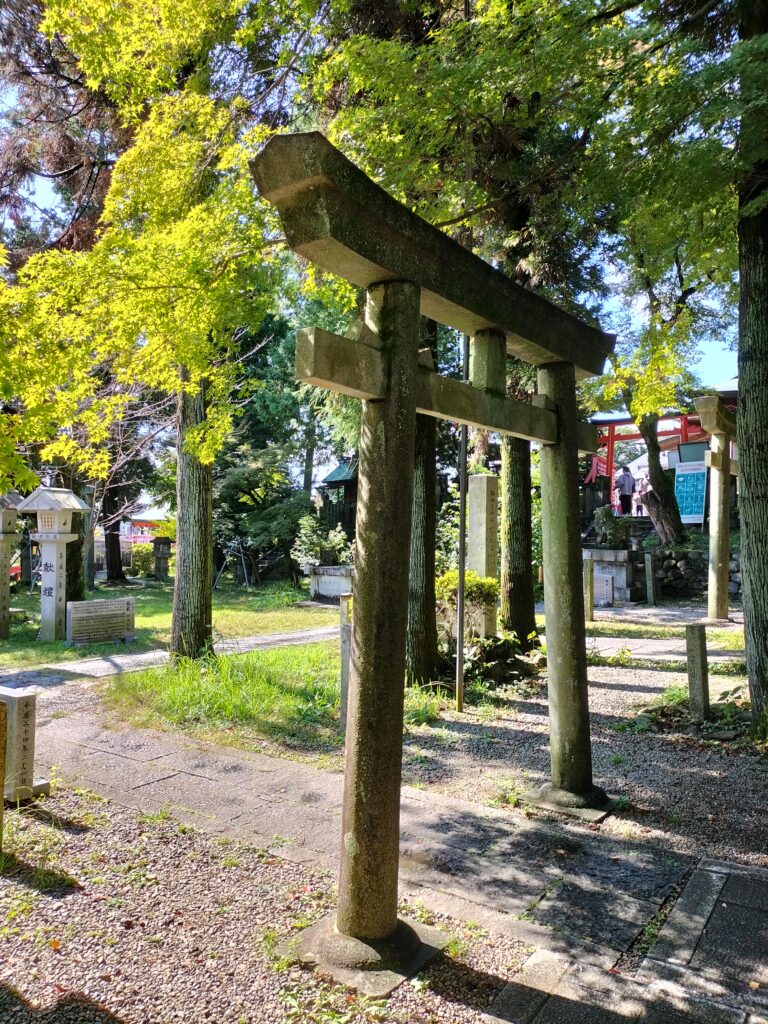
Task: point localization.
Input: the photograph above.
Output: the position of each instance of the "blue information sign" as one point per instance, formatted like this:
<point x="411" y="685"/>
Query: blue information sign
<point x="691" y="490"/>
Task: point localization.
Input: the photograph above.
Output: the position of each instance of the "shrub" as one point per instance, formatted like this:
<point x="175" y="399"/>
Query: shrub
<point x="142" y="560"/>
<point x="612" y="531"/>
<point x="480" y="592"/>
<point x="315" y="544"/>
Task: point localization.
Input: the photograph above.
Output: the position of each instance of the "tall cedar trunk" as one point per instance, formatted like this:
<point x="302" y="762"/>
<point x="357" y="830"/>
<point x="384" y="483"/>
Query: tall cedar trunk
<point x="75" y="582"/>
<point x="421" y="654"/>
<point x="112" y="557"/>
<point x="664" y="512"/>
<point x="193" y="589"/>
<point x="752" y="420"/>
<point x="518" y="611"/>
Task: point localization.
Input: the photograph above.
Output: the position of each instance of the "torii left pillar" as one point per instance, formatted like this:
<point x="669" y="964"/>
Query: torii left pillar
<point x="366" y="940"/>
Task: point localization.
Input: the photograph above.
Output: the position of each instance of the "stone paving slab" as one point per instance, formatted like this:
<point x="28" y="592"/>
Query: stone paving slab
<point x="552" y="989"/>
<point x="716" y="938"/>
<point x="661" y="649"/>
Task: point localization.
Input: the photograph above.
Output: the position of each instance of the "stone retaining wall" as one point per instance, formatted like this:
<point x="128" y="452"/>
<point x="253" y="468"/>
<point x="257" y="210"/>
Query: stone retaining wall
<point x="684" y="573"/>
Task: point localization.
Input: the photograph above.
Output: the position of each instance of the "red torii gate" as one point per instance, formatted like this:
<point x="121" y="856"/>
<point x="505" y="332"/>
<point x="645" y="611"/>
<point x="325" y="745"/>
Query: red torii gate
<point x="690" y="429"/>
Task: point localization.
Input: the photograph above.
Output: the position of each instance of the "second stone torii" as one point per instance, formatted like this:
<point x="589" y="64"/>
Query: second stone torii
<point x="338" y="218"/>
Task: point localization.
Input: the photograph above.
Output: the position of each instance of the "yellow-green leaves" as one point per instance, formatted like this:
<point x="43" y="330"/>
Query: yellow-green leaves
<point x="136" y="49"/>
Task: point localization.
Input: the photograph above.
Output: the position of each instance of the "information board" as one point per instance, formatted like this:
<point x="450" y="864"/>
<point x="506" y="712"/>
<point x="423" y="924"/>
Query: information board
<point x="691" y="490"/>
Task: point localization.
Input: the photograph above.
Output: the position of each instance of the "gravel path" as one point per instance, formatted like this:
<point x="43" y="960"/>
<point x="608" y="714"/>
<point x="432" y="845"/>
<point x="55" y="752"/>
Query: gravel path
<point x="700" y="798"/>
<point x="108" y="916"/>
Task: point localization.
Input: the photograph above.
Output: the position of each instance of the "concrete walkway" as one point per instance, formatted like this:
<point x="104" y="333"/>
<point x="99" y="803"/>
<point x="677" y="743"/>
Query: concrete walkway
<point x="585" y="901"/>
<point x="665" y="649"/>
<point x="54" y="673"/>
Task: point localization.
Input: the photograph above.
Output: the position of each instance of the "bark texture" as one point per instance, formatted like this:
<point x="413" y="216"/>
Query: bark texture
<point x="75" y="587"/>
<point x="518" y="611"/>
<point x="421" y="654"/>
<point x="112" y="557"/>
<point x="193" y="589"/>
<point x="664" y="511"/>
<point x="752" y="419"/>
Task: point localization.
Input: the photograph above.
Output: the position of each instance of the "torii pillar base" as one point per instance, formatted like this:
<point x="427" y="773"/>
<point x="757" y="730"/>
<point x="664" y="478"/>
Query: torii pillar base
<point x="374" y="968"/>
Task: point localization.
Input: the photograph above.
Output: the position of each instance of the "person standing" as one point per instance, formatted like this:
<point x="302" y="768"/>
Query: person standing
<point x="625" y="485"/>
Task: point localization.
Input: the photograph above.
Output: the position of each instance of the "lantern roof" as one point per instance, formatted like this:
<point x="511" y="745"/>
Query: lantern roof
<point x="11" y="499"/>
<point x="52" y="499"/>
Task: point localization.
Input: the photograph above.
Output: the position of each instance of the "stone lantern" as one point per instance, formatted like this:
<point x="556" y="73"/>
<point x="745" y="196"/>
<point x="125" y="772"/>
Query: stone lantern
<point x="54" y="507"/>
<point x="8" y="541"/>
<point x="161" y="548"/>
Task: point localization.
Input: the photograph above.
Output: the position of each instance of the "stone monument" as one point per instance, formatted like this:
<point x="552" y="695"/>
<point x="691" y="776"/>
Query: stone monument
<point x="54" y="507"/>
<point x="9" y="539"/>
<point x="483" y="537"/>
<point x="20" y="782"/>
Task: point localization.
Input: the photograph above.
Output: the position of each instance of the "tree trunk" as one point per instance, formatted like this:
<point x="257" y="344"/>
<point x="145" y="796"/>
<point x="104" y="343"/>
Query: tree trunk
<point x="309" y="454"/>
<point x="664" y="511"/>
<point x="75" y="582"/>
<point x="113" y="559"/>
<point x="193" y="589"/>
<point x="518" y="611"/>
<point x="421" y="653"/>
<point x="752" y="420"/>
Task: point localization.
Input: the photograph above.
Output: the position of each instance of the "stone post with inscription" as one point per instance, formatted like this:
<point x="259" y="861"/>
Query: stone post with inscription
<point x="54" y="507"/>
<point x="9" y="539"/>
<point x="20" y="782"/>
<point x="483" y="538"/>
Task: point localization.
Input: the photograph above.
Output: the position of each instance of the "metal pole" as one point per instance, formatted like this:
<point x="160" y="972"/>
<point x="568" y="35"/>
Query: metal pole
<point x="462" y="515"/>
<point x="462" y="541"/>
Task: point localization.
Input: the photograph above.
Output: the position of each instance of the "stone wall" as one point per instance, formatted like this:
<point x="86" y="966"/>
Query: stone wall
<point x="684" y="573"/>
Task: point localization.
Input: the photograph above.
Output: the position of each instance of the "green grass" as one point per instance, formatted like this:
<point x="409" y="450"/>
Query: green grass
<point x="237" y="612"/>
<point x="288" y="694"/>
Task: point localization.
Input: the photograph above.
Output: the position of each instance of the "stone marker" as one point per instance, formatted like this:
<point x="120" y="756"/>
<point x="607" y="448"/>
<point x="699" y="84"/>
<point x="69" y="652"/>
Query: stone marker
<point x="54" y="507"/>
<point x="9" y="540"/>
<point x="334" y="215"/>
<point x="20" y="783"/>
<point x="650" y="578"/>
<point x="483" y="538"/>
<point x="698" y="672"/>
<point x="588" y="569"/>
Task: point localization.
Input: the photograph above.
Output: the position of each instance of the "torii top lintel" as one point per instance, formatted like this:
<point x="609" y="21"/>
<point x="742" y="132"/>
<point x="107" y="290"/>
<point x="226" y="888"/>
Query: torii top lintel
<point x="334" y="215"/>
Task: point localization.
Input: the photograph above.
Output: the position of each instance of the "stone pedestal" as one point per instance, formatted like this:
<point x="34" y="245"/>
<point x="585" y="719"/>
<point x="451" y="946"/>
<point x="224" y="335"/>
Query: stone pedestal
<point x="483" y="537"/>
<point x="20" y="783"/>
<point x="53" y="586"/>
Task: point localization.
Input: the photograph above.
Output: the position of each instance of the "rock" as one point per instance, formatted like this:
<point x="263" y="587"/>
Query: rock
<point x="733" y="565"/>
<point x="682" y="565"/>
<point x="733" y="588"/>
<point x="723" y="734"/>
<point x="669" y="564"/>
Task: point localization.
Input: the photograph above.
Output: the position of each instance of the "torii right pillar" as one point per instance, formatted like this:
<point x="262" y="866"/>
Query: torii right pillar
<point x="721" y="427"/>
<point x="571" y="786"/>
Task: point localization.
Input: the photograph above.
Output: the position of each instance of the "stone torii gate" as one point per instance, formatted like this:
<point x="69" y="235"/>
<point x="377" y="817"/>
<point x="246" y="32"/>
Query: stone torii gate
<point x="335" y="216"/>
